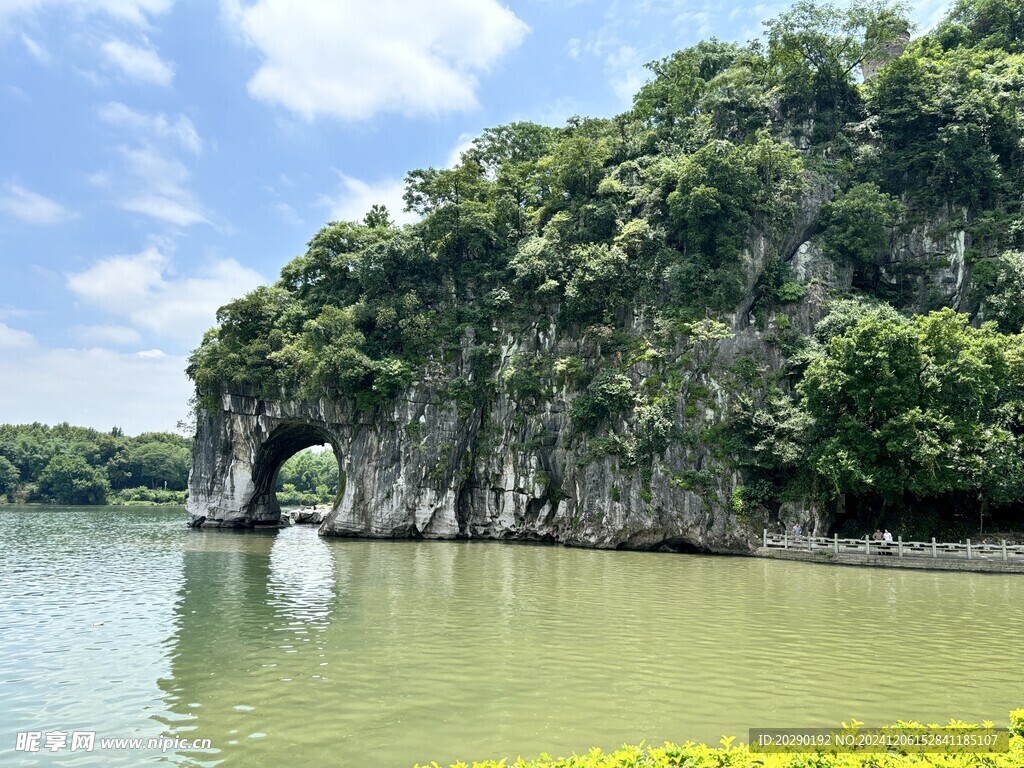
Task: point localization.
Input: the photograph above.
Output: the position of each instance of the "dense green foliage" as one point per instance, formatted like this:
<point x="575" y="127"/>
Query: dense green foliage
<point x="922" y="408"/>
<point x="858" y="224"/>
<point x="9" y="477"/>
<point x="1002" y="279"/>
<point x="68" y="479"/>
<point x="902" y="414"/>
<point x="76" y="465"/>
<point x="532" y="219"/>
<point x="694" y="755"/>
<point x="308" y="478"/>
<point x="948" y="124"/>
<point x="662" y="228"/>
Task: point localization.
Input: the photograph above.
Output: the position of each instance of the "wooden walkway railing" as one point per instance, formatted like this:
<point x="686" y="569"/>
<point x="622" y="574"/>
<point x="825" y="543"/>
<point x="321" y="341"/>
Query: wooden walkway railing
<point x="898" y="548"/>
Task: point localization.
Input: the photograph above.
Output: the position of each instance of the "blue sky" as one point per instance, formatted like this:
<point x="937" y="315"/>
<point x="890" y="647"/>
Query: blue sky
<point x="161" y="157"/>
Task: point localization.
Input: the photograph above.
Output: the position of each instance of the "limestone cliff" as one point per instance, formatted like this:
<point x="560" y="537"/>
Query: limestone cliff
<point x="515" y="466"/>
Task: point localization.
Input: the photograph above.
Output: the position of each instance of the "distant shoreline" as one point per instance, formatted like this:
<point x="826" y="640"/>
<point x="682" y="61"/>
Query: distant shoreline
<point x="47" y="505"/>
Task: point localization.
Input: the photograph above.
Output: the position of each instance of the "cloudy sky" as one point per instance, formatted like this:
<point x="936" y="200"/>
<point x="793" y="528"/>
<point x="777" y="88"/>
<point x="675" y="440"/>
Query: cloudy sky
<point x="161" y="157"/>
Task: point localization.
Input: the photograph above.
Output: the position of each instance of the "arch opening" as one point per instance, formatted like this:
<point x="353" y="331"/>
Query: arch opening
<point x="284" y="443"/>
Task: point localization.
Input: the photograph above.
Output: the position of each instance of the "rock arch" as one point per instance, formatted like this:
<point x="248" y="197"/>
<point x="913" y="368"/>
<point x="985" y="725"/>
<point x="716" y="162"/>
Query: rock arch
<point x="239" y="451"/>
<point x="394" y="486"/>
<point x="285" y="441"/>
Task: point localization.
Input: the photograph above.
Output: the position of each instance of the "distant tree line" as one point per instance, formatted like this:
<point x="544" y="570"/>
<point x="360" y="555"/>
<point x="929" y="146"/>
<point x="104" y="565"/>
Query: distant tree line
<point x="64" y="464"/>
<point x="307" y="478"/>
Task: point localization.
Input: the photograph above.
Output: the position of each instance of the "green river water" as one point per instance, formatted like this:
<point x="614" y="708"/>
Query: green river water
<point x="284" y="648"/>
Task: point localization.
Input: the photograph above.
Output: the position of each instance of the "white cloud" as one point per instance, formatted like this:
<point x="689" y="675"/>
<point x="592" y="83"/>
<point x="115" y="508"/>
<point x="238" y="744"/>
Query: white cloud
<point x="117" y="335"/>
<point x="701" y="22"/>
<point x="355" y="197"/>
<point x="554" y="113"/>
<point x="95" y="387"/>
<point x="143" y="288"/>
<point x="138" y="63"/>
<point x="146" y="162"/>
<point x="136" y="12"/>
<point x="178" y="129"/>
<point x="623" y="63"/>
<point x="11" y="338"/>
<point x="8" y="312"/>
<point x="638" y="31"/>
<point x="158" y="188"/>
<point x="31" y="207"/>
<point x="158" y="206"/>
<point x="351" y="59"/>
<point x="464" y="143"/>
<point x="745" y="22"/>
<point x="95" y="79"/>
<point x="286" y="213"/>
<point x="99" y="179"/>
<point x="15" y="92"/>
<point x="37" y="51"/>
<point x="625" y="68"/>
<point x="120" y="282"/>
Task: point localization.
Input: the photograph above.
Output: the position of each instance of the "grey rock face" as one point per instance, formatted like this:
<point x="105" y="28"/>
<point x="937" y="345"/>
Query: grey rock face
<point x="929" y="263"/>
<point x="507" y="470"/>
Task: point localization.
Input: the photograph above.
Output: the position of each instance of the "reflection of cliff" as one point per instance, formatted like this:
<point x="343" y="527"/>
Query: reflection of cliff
<point x="296" y="649"/>
<point x="302" y="581"/>
<point x="251" y="611"/>
<point x="292" y="647"/>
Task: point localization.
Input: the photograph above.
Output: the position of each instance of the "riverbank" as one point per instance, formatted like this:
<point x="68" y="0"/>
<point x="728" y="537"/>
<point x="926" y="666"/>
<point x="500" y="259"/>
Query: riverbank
<point x="741" y="756"/>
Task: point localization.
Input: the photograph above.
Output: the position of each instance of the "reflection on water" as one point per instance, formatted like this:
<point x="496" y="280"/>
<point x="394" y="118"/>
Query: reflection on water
<point x="302" y="584"/>
<point x="287" y="648"/>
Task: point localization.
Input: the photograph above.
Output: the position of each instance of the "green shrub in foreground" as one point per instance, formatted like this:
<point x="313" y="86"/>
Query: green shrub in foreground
<point x="690" y="755"/>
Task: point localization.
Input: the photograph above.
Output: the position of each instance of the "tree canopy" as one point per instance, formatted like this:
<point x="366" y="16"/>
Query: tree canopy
<point x="916" y="407"/>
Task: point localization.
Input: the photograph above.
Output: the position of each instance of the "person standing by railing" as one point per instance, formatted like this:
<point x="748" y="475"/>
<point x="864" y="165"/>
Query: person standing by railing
<point x="886" y="541"/>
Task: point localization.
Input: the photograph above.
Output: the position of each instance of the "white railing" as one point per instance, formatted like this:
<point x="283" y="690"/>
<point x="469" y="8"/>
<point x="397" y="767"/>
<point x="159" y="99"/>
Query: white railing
<point x="898" y="548"/>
